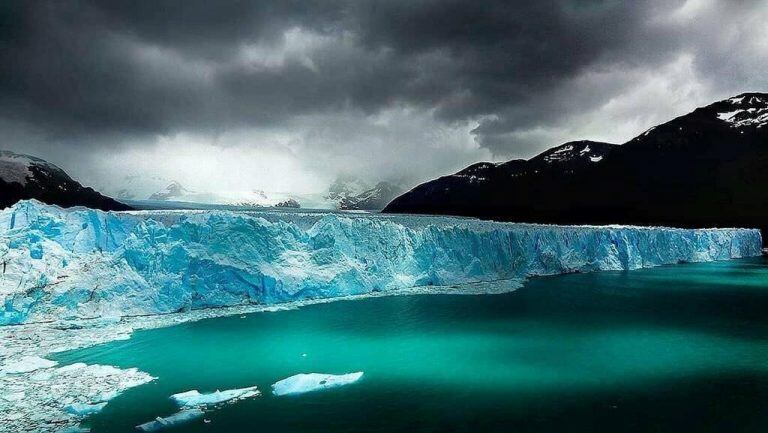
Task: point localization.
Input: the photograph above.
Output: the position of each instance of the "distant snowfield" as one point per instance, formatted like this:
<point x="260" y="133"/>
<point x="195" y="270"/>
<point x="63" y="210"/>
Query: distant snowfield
<point x="80" y="277"/>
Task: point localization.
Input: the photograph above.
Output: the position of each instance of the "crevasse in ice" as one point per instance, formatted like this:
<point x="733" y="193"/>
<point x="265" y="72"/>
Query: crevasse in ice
<point x="73" y="263"/>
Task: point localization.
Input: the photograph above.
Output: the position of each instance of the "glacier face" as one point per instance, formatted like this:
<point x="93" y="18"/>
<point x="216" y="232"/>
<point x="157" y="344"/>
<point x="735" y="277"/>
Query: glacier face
<point x="78" y="263"/>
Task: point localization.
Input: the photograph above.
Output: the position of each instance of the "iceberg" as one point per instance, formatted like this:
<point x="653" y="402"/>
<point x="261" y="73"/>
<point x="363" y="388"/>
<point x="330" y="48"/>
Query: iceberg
<point x="69" y="264"/>
<point x="194" y="398"/>
<point x="180" y="417"/>
<point x="308" y="382"/>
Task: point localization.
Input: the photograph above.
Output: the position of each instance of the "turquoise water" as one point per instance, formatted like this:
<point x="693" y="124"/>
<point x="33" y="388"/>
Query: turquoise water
<point x="673" y="349"/>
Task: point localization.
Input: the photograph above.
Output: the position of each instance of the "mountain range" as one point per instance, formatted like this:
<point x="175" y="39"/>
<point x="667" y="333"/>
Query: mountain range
<point x="707" y="168"/>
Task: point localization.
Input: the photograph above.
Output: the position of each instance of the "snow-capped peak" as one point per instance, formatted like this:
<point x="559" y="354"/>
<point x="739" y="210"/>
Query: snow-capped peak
<point x="745" y="110"/>
<point x="15" y="168"/>
<point x="171" y="191"/>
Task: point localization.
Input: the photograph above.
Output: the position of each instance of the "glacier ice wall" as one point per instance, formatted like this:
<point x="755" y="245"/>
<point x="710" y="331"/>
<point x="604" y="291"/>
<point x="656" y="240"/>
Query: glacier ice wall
<point x="74" y="263"/>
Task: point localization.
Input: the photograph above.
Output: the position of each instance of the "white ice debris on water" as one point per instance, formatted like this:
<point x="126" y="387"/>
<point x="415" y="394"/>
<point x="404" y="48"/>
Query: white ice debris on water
<point x="81" y="263"/>
<point x="308" y="382"/>
<point x="180" y="417"/>
<point x="83" y="409"/>
<point x="53" y="399"/>
<point x="26" y="365"/>
<point x="194" y="398"/>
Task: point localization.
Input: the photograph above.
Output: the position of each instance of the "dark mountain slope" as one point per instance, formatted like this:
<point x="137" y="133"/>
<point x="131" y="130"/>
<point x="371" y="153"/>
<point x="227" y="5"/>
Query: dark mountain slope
<point x="26" y="177"/>
<point x="707" y="168"/>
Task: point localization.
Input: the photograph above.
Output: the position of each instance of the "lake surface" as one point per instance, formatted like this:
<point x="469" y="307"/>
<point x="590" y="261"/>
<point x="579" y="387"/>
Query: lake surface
<point x="673" y="349"/>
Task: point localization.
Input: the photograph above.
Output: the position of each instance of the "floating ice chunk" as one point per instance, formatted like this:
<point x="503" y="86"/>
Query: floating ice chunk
<point x="83" y="409"/>
<point x="27" y="365"/>
<point x="301" y="383"/>
<point x="74" y="429"/>
<point x="180" y="417"/>
<point x="194" y="398"/>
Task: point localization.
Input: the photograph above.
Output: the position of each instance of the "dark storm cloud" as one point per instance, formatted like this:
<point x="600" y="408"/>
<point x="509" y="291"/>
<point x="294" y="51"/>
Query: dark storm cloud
<point x="77" y="70"/>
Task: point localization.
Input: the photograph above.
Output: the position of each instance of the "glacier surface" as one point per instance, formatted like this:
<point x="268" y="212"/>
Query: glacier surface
<point x="82" y="263"/>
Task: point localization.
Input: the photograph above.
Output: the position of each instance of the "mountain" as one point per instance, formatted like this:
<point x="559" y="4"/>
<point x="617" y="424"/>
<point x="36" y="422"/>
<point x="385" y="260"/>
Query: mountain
<point x="289" y="203"/>
<point x="173" y="190"/>
<point x="349" y="193"/>
<point x="706" y="168"/>
<point x="138" y="189"/>
<point x="26" y="177"/>
<point x="344" y="187"/>
<point x="375" y="198"/>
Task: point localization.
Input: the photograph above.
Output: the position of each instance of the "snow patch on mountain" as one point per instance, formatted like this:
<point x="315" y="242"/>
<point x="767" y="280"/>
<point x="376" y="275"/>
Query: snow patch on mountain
<point x="750" y="111"/>
<point x="15" y="168"/>
<point x="172" y="191"/>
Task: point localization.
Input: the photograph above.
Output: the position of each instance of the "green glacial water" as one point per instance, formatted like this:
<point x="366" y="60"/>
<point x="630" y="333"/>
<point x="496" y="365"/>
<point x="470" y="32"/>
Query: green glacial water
<point x="673" y="349"/>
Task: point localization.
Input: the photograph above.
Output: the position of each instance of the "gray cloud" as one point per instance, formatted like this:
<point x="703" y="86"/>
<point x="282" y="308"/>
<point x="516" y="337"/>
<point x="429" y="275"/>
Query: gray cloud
<point x="107" y="77"/>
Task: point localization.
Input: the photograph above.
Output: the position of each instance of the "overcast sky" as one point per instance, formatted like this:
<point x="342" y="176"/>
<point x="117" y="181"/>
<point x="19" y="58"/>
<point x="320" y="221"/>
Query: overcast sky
<point x="286" y="95"/>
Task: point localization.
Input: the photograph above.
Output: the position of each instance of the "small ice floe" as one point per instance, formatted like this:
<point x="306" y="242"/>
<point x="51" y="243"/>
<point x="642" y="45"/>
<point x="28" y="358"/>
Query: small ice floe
<point x="74" y="429"/>
<point x="180" y="417"/>
<point x="84" y="409"/>
<point x="301" y="383"/>
<point x="26" y="365"/>
<point x="194" y="398"/>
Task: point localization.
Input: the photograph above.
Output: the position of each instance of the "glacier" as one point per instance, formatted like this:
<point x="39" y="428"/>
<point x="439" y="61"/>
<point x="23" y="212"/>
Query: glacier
<point x="79" y="263"/>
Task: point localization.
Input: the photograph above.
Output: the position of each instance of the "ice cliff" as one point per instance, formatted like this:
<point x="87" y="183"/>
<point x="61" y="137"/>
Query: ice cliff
<point x="74" y="263"/>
